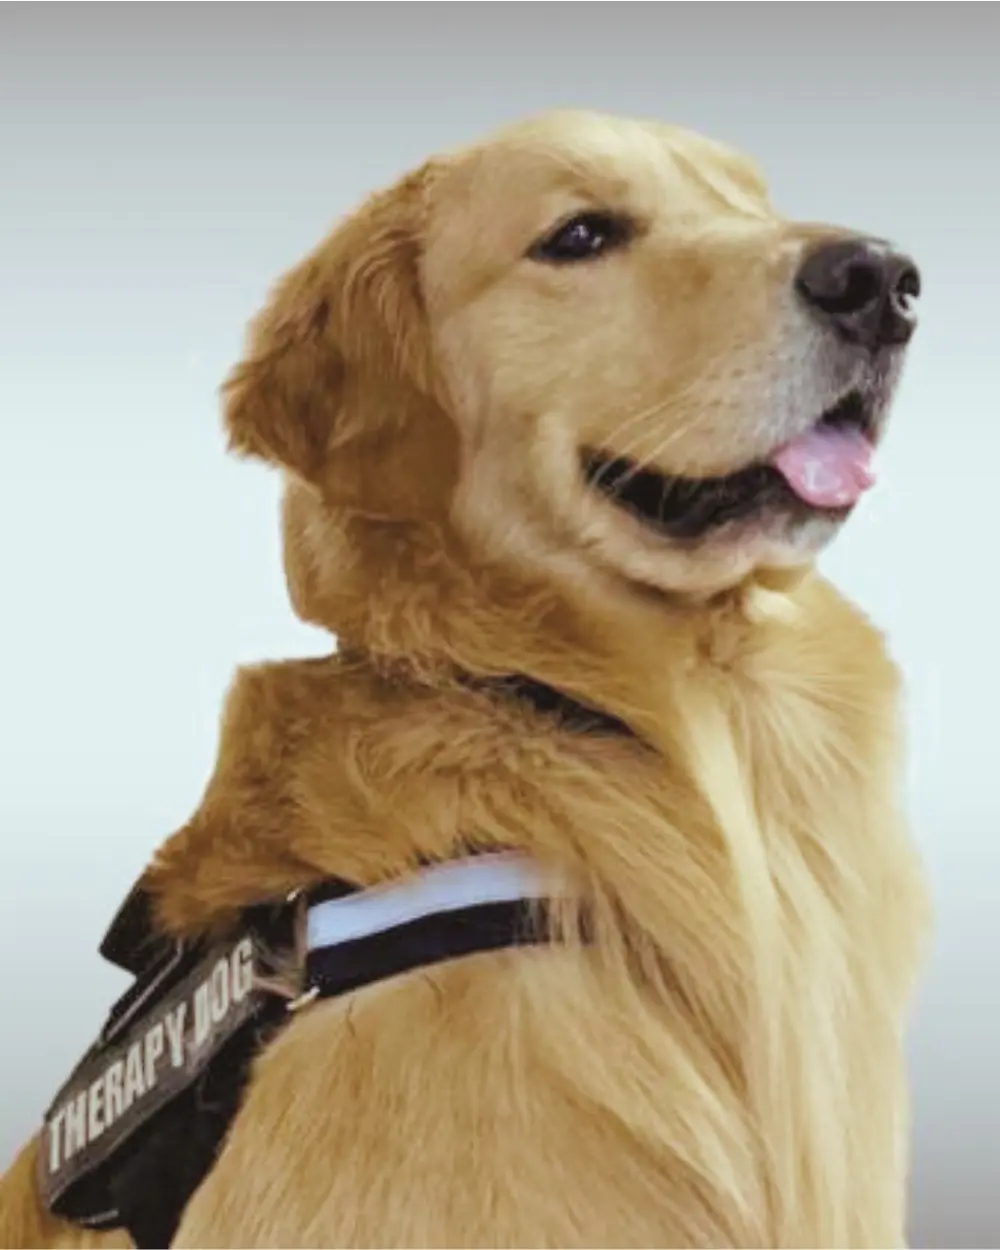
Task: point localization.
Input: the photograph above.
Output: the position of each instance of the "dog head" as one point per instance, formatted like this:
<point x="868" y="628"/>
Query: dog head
<point x="589" y="348"/>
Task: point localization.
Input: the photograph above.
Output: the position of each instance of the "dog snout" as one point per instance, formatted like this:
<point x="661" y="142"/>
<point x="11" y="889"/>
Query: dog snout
<point x="863" y="289"/>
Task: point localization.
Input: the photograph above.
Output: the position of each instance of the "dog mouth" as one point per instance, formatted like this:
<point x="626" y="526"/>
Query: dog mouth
<point x="823" y="471"/>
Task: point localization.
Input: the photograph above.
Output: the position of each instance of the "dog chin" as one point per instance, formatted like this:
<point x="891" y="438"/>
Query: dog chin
<point x="688" y="556"/>
<point x="780" y="542"/>
<point x="717" y="562"/>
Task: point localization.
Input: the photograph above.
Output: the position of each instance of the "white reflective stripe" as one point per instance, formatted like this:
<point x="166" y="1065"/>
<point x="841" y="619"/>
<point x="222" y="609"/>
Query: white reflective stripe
<point x="499" y="878"/>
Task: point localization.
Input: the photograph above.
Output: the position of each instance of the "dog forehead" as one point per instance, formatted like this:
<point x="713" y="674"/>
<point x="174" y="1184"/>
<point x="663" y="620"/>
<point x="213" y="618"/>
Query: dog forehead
<point x="605" y="159"/>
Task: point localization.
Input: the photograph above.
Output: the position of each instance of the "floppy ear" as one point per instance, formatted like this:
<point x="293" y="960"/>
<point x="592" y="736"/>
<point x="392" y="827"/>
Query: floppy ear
<point x="338" y="338"/>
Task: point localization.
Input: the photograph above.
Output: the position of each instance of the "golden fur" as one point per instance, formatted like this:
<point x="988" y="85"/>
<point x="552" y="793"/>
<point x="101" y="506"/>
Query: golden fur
<point x="724" y="1067"/>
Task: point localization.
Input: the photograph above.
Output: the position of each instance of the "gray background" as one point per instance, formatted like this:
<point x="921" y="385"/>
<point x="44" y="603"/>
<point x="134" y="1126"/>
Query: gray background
<point x="160" y="164"/>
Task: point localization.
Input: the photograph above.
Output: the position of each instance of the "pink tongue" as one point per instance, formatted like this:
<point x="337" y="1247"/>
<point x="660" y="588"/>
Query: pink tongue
<point x="826" y="466"/>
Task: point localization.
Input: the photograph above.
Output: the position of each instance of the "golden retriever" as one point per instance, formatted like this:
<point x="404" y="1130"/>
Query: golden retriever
<point x="575" y="403"/>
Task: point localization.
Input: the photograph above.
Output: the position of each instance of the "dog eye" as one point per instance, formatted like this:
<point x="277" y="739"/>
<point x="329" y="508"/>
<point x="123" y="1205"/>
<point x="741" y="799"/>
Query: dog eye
<point x="582" y="238"/>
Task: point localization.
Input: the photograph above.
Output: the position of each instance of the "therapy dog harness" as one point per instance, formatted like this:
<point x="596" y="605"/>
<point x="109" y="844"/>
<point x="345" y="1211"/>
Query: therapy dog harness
<point x="138" y="1125"/>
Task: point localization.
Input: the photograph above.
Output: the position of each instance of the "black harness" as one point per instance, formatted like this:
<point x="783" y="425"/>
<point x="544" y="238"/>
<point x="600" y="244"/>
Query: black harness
<point x="140" y="1121"/>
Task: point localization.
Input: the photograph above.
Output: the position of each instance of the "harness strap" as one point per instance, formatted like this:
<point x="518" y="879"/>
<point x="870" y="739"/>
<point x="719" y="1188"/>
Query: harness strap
<point x="444" y="912"/>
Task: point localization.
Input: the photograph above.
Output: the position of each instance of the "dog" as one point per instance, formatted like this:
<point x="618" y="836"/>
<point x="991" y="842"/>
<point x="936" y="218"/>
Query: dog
<point x="572" y="410"/>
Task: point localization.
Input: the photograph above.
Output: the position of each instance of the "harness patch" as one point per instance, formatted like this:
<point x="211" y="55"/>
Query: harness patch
<point x="139" y="1068"/>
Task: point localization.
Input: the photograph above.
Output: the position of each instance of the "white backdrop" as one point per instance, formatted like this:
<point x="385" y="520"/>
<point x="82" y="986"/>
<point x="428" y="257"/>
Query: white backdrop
<point x="160" y="165"/>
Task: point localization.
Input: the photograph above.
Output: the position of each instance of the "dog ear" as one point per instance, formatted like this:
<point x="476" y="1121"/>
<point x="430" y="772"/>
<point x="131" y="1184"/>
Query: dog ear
<point x="347" y="322"/>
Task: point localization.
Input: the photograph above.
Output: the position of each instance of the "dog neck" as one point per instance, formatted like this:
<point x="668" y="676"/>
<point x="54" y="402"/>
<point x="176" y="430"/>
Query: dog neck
<point x="572" y="713"/>
<point x="411" y="599"/>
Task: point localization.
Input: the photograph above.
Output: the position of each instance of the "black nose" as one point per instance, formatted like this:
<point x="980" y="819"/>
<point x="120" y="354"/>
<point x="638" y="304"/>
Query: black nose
<point x="863" y="289"/>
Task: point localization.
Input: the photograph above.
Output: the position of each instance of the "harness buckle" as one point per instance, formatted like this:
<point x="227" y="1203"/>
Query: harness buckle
<point x="299" y="901"/>
<point x="303" y="999"/>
